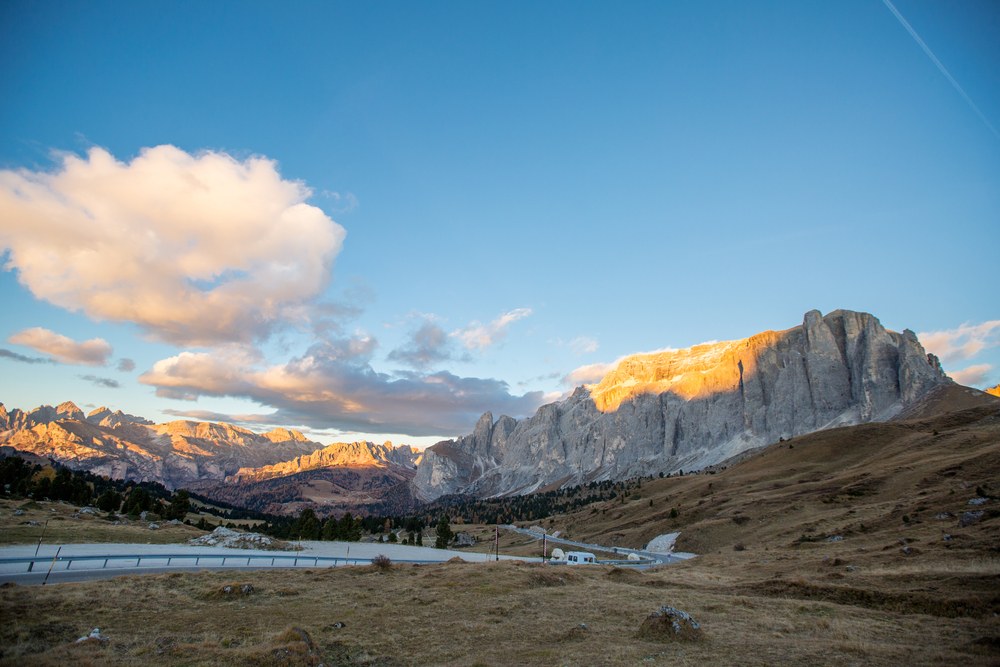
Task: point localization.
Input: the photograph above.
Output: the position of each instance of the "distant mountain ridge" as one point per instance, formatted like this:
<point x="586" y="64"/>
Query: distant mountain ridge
<point x="124" y="446"/>
<point x="357" y="477"/>
<point x="338" y="454"/>
<point x="687" y="409"/>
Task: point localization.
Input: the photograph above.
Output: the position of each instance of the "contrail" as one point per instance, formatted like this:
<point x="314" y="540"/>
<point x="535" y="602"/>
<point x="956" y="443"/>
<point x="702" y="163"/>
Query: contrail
<point x="940" y="66"/>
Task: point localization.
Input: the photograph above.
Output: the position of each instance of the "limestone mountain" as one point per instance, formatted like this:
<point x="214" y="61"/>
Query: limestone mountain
<point x="359" y="477"/>
<point x="124" y="446"/>
<point x="339" y="454"/>
<point x="687" y="409"/>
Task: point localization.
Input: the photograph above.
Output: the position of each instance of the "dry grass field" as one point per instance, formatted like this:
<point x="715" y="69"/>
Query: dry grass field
<point x="62" y="523"/>
<point x="846" y="547"/>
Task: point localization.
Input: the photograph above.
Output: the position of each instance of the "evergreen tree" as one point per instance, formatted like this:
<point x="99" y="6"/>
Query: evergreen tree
<point x="109" y="501"/>
<point x="330" y="529"/>
<point x="444" y="534"/>
<point x="180" y="505"/>
<point x="308" y="526"/>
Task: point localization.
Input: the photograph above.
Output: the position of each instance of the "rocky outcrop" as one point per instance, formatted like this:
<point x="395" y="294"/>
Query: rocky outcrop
<point x="340" y="454"/>
<point x="686" y="409"/>
<point x="124" y="446"/>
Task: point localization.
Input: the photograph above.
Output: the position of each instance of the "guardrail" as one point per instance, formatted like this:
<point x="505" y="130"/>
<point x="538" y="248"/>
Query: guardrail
<point x="200" y="560"/>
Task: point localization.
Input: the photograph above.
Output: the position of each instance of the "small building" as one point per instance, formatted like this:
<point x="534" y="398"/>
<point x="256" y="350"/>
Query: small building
<point x="580" y="558"/>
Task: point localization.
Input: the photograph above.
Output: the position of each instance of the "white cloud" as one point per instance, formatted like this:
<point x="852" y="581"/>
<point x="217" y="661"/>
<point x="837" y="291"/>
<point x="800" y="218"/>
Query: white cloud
<point x="333" y="386"/>
<point x="589" y="374"/>
<point x="93" y="352"/>
<point x="973" y="376"/>
<point x="478" y="336"/>
<point x="583" y="345"/>
<point x="963" y="342"/>
<point x="195" y="249"/>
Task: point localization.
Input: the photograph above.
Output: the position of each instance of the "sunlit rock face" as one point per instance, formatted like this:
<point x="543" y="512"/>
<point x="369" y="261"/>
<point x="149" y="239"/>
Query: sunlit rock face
<point x="339" y="454"/>
<point x="123" y="446"/>
<point x="994" y="391"/>
<point x="686" y="409"/>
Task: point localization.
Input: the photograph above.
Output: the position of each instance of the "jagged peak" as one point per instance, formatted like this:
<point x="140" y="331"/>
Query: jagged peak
<point x="281" y="434"/>
<point x="68" y="407"/>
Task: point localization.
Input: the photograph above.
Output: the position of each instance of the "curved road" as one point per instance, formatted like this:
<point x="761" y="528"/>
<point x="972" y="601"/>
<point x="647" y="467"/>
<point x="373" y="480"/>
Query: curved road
<point x="82" y="562"/>
<point x="656" y="558"/>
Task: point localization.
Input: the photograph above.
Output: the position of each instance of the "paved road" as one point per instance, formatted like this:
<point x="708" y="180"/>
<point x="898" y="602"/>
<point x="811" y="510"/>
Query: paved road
<point x="624" y="551"/>
<point x="80" y="562"/>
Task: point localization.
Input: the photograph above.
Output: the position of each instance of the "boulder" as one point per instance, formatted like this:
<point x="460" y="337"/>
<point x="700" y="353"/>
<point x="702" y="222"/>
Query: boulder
<point x="670" y="624"/>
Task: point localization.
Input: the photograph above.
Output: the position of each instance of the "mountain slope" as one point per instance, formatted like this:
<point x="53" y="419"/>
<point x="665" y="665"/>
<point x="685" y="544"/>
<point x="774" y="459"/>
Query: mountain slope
<point x="688" y="409"/>
<point x="357" y="477"/>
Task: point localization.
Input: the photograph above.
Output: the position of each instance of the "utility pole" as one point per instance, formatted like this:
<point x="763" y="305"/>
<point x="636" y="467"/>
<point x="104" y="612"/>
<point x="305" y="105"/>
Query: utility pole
<point x="496" y="542"/>
<point x="543" y="547"/>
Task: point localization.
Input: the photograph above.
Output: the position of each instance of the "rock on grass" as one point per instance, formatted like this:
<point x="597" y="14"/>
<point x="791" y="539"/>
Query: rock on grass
<point x="670" y="624"/>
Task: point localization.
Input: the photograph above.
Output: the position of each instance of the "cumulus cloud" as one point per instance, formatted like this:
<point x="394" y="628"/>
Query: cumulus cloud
<point x="428" y="345"/>
<point x="14" y="356"/>
<point x="478" y="336"/>
<point x="107" y="383"/>
<point x="963" y="342"/>
<point x="195" y="249"/>
<point x="93" y="352"/>
<point x="126" y="365"/>
<point x="334" y="386"/>
<point x="972" y="376"/>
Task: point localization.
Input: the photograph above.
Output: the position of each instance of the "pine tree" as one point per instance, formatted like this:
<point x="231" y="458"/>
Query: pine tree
<point x="444" y="534"/>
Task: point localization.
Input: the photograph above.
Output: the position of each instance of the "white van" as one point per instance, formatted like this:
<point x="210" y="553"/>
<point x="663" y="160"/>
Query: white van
<point x="580" y="558"/>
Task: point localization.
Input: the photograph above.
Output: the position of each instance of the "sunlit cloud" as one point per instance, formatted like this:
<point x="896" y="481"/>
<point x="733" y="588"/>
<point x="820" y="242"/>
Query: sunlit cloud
<point x="478" y="336"/>
<point x="963" y="342"/>
<point x="194" y="249"/>
<point x="589" y="374"/>
<point x="334" y="386"/>
<point x="106" y="383"/>
<point x="973" y="376"/>
<point x="93" y="352"/>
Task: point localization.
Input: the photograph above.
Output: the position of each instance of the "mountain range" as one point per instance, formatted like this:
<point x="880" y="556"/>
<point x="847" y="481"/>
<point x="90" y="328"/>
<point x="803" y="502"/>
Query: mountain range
<point x="124" y="446"/>
<point x="664" y="412"/>
<point x="686" y="409"/>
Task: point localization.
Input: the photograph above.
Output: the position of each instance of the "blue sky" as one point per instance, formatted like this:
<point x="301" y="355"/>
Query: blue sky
<point x="454" y="206"/>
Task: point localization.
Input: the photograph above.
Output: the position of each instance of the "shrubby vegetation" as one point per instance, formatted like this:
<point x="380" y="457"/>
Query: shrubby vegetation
<point x="53" y="481"/>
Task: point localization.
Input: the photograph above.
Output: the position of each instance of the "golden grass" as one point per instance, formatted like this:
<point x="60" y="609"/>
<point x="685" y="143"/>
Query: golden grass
<point x="61" y="523"/>
<point x="459" y="614"/>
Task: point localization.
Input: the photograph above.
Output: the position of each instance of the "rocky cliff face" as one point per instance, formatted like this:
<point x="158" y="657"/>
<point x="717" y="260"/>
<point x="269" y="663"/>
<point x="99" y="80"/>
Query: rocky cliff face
<point x="127" y="447"/>
<point x="687" y="409"/>
<point x="356" y="477"/>
<point x="339" y="454"/>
